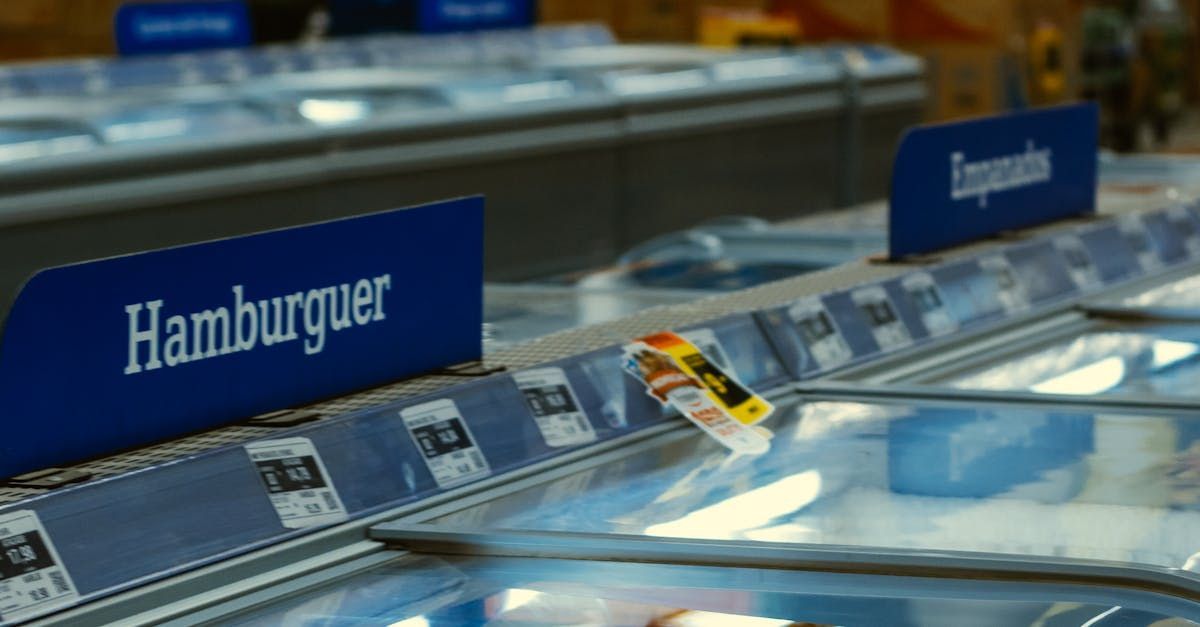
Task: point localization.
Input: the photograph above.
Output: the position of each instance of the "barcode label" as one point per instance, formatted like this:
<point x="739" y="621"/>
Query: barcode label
<point x="886" y="327"/>
<point x="33" y="580"/>
<point x="445" y="442"/>
<point x="820" y="333"/>
<point x="297" y="482"/>
<point x="555" y="408"/>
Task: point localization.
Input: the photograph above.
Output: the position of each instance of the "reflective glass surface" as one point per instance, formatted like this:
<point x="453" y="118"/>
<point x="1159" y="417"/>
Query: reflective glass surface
<point x="430" y="591"/>
<point x="1182" y="293"/>
<point x="19" y="141"/>
<point x="157" y="121"/>
<point x="1001" y="479"/>
<point x="1158" y="361"/>
<point x="331" y="107"/>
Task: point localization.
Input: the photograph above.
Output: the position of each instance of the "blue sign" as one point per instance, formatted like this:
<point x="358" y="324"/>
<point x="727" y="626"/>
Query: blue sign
<point x="111" y="354"/>
<point x="957" y="182"/>
<point x="438" y="16"/>
<point x="163" y="27"/>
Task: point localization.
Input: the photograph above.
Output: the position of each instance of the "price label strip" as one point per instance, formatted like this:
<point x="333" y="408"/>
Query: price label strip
<point x="820" y="333"/>
<point x="33" y="580"/>
<point x="1009" y="291"/>
<point x="297" y="482"/>
<point x="445" y="442"/>
<point x="925" y="295"/>
<point x="678" y="374"/>
<point x="1181" y="220"/>
<point x="1079" y="263"/>
<point x="1134" y="232"/>
<point x="555" y="408"/>
<point x="887" y="328"/>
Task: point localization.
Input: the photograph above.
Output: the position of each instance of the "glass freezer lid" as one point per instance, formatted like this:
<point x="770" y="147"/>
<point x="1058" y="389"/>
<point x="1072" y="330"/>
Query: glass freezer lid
<point x="926" y="476"/>
<point x="166" y="120"/>
<point x="1143" y="361"/>
<point x="20" y="140"/>
<point x="437" y="591"/>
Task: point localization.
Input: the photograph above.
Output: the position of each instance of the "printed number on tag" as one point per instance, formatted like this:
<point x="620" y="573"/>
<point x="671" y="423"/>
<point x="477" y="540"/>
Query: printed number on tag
<point x="445" y="442"/>
<point x="887" y="328"/>
<point x="820" y="333"/>
<point x="33" y="580"/>
<point x="297" y="482"/>
<point x="555" y="408"/>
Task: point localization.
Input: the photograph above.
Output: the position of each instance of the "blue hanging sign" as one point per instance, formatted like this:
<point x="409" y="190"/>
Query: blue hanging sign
<point x="111" y="354"/>
<point x="958" y="182"/>
<point x="439" y="16"/>
<point x="181" y="26"/>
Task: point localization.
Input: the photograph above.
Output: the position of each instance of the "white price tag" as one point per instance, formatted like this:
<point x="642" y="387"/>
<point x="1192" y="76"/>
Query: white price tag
<point x="926" y="296"/>
<point x="1135" y="235"/>
<point x="820" y="333"/>
<point x="1181" y="220"/>
<point x="445" y="442"/>
<point x="1079" y="262"/>
<point x="555" y="408"/>
<point x="1009" y="290"/>
<point x="297" y="482"/>
<point x="887" y="328"/>
<point x="33" y="580"/>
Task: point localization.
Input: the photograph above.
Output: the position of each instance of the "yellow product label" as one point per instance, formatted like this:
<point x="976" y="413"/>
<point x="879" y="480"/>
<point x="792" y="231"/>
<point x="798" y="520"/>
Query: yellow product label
<point x="725" y="391"/>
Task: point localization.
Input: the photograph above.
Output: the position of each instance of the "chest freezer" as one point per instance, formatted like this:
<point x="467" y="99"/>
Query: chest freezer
<point x="1145" y="345"/>
<point x="443" y="590"/>
<point x="918" y="475"/>
<point x="709" y="133"/>
<point x="725" y="256"/>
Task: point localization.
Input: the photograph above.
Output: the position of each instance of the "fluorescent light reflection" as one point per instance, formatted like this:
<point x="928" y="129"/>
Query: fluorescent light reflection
<point x="140" y="131"/>
<point x="518" y="597"/>
<point x="1169" y="352"/>
<point x="749" y="510"/>
<point x="326" y="111"/>
<point x="415" y="621"/>
<point x="694" y="618"/>
<point x="1090" y="379"/>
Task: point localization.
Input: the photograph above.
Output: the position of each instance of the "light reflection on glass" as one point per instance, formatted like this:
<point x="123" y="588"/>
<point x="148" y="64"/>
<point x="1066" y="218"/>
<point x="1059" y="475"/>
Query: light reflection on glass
<point x="749" y="510"/>
<point x="330" y="111"/>
<point x="1090" y="379"/>
<point x="1169" y="352"/>
<point x="141" y="131"/>
<point x="415" y="621"/>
